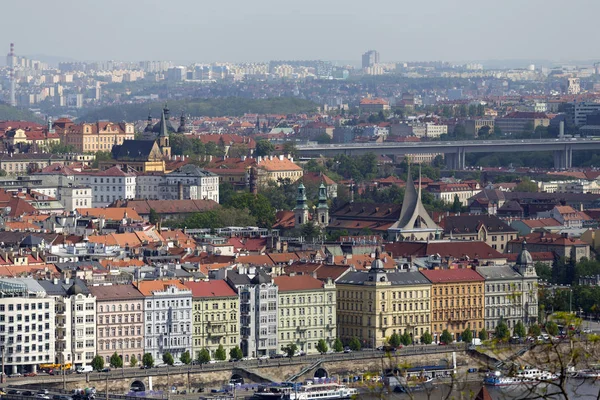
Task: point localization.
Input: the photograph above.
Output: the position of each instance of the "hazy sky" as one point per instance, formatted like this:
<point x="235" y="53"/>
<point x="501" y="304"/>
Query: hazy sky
<point x="260" y="30"/>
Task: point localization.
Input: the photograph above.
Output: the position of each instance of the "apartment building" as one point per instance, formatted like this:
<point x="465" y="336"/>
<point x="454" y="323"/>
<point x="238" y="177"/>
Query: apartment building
<point x="457" y="301"/>
<point x="108" y="185"/>
<point x="75" y="320"/>
<point x="521" y="122"/>
<point x="511" y="294"/>
<point x="277" y="168"/>
<point x="216" y="316"/>
<point x="374" y="304"/>
<point x="27" y="329"/>
<point x="307" y="311"/>
<point x="167" y="319"/>
<point x="446" y="192"/>
<point x="258" y="313"/>
<point x="485" y="228"/>
<point x="120" y="321"/>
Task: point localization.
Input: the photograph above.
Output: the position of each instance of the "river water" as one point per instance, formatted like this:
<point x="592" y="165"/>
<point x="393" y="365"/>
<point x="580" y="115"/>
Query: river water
<point x="576" y="389"/>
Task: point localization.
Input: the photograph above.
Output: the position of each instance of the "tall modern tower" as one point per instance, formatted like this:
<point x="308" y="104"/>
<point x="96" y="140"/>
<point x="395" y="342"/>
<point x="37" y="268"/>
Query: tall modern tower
<point x="11" y="62"/>
<point x="370" y="58"/>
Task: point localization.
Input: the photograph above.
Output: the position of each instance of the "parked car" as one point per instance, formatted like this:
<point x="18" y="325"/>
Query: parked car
<point x="178" y="364"/>
<point x="27" y="393"/>
<point x="42" y="396"/>
<point x="105" y="370"/>
<point x="43" y="391"/>
<point x="15" y="375"/>
<point x="347" y="349"/>
<point x="472" y="370"/>
<point x="13" y="391"/>
<point x="29" y="374"/>
<point x="265" y="357"/>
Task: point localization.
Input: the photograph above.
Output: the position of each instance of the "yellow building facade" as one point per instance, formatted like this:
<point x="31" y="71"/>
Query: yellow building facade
<point x="215" y="317"/>
<point x="374" y="305"/>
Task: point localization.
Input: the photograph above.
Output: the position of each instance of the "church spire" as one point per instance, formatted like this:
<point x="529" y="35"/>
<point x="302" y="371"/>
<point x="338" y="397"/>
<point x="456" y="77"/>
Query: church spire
<point x="163" y="132"/>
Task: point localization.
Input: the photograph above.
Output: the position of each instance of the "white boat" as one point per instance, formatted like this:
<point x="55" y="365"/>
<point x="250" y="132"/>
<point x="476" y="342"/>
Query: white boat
<point x="323" y="391"/>
<point x="523" y="377"/>
<point x="534" y="374"/>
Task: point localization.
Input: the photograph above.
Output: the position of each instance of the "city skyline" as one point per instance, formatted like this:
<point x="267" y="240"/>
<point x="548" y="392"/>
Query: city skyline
<point x="177" y="31"/>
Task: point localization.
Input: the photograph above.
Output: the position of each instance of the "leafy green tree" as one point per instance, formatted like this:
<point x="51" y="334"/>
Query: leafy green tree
<point x="544" y="271"/>
<point x="59" y="148"/>
<point x="446" y="337"/>
<point x="186" y="358"/>
<point x="101" y="156"/>
<point x="203" y="356"/>
<point x="467" y="336"/>
<point x="154" y="217"/>
<point x="502" y="333"/>
<point x="426" y="338"/>
<point x="148" y="360"/>
<point x="552" y="328"/>
<point x="459" y="131"/>
<point x="405" y="338"/>
<point x="259" y="207"/>
<point x="264" y="148"/>
<point x="354" y="344"/>
<point x="519" y="330"/>
<point x="236" y="353"/>
<point x="98" y="363"/>
<point x="116" y="361"/>
<point x="322" y="346"/>
<point x="338" y="346"/>
<point x="534" y="330"/>
<point x="290" y="148"/>
<point x="483" y="334"/>
<point x="323" y="138"/>
<point x="168" y="358"/>
<point x="290" y="349"/>
<point x="394" y="340"/>
<point x="220" y="353"/>
<point x="456" y="205"/>
<point x="238" y="150"/>
<point x="526" y="185"/>
<point x="133" y="361"/>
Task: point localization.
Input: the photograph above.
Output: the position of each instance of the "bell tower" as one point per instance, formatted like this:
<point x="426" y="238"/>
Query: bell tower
<point x="323" y="207"/>
<point x="163" y="137"/>
<point x="301" y="209"/>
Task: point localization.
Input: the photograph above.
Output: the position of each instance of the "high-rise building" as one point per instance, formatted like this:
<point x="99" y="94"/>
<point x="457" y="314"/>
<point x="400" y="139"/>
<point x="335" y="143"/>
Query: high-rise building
<point x="370" y="58"/>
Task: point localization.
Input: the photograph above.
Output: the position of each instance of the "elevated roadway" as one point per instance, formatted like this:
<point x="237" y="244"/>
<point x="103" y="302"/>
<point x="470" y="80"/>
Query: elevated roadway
<point x="455" y="152"/>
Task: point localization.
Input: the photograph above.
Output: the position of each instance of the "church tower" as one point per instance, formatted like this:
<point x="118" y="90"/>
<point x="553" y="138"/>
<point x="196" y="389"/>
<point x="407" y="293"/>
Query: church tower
<point x="524" y="264"/>
<point x="163" y="137"/>
<point x="301" y="210"/>
<point x="323" y="207"/>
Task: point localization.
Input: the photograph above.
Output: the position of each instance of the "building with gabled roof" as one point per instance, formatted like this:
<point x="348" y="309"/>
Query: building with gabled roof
<point x="305" y="325"/>
<point x="215" y="309"/>
<point x="486" y="228"/>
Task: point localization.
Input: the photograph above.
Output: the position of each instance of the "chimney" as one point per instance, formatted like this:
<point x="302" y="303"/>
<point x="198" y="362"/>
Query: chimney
<point x="281" y="157"/>
<point x="180" y="190"/>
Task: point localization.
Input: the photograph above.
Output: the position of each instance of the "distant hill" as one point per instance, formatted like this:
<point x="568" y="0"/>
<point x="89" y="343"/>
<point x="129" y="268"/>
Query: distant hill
<point x="17" y="114"/>
<point x="234" y="106"/>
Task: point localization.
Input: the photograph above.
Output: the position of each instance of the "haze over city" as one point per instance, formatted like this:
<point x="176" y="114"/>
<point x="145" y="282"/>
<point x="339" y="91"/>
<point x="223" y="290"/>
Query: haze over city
<point x="238" y="30"/>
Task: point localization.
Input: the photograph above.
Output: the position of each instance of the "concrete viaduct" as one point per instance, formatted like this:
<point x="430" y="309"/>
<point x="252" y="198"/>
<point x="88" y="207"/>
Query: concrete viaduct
<point x="454" y="152"/>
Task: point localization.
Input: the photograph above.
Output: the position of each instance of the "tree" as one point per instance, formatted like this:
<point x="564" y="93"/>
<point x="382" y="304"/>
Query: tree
<point x="220" y="353"/>
<point x="323" y="138"/>
<point x="322" y="346"/>
<point x="148" y="360"/>
<point x="290" y="349"/>
<point x="519" y="330"/>
<point x="238" y="150"/>
<point x="552" y="328"/>
<point x="394" y="340"/>
<point x="354" y="344"/>
<point x="426" y="338"/>
<point x="154" y="217"/>
<point x="483" y="334"/>
<point x="186" y="358"/>
<point x="534" y="330"/>
<point x="133" y="361"/>
<point x="406" y="339"/>
<point x="290" y="148"/>
<point x="446" y="337"/>
<point x="168" y="358"/>
<point x="236" y="353"/>
<point x="116" y="361"/>
<point x="526" y="185"/>
<point x="467" y="336"/>
<point x="101" y="156"/>
<point x="203" y="356"/>
<point x="259" y="207"/>
<point x="264" y="148"/>
<point x="502" y="333"/>
<point x="456" y="205"/>
<point x="98" y="363"/>
<point x="338" y="346"/>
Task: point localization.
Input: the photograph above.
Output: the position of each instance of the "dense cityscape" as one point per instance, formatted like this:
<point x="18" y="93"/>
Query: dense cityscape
<point x="155" y="214"/>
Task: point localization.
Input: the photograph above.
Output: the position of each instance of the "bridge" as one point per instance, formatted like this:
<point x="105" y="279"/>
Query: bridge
<point x="120" y="381"/>
<point x="454" y="152"/>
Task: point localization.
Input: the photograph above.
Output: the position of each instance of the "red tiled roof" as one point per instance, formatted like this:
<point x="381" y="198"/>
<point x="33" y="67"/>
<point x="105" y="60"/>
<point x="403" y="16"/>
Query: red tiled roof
<point x="455" y="249"/>
<point x="452" y="275"/>
<point x="213" y="288"/>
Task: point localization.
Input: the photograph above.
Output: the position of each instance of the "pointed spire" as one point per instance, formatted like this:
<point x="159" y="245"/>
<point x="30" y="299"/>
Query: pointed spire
<point x="323" y="197"/>
<point x="163" y="132"/>
<point x="301" y="197"/>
